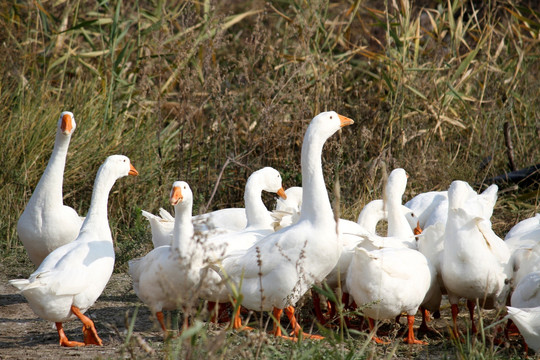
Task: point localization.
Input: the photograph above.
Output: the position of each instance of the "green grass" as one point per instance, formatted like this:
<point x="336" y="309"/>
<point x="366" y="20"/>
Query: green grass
<point x="190" y="89"/>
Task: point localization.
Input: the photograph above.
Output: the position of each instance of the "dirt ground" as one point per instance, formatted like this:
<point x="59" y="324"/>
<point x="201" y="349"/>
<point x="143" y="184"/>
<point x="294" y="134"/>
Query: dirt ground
<point x="24" y="336"/>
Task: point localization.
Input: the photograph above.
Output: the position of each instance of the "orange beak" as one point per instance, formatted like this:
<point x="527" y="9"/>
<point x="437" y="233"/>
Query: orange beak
<point x="282" y="194"/>
<point x="345" y="120"/>
<point x="417" y="230"/>
<point x="67" y="125"/>
<point x="176" y="196"/>
<point x="132" y="171"/>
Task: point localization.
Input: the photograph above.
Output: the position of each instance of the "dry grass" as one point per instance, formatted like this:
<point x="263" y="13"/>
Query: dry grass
<point x="191" y="89"/>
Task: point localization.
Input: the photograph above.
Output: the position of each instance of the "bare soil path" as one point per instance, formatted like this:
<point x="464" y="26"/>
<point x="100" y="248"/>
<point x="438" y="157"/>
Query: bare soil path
<point x="25" y="336"/>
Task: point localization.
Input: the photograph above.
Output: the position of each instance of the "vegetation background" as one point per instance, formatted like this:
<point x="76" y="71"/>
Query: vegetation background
<point x="209" y="91"/>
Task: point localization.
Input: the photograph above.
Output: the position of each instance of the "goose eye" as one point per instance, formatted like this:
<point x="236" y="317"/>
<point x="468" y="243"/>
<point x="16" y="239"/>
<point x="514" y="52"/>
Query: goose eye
<point x="330" y="116"/>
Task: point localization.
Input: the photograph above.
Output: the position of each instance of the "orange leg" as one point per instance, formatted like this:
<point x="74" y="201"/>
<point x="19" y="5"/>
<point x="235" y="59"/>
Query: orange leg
<point x="277" y="325"/>
<point x="289" y="311"/>
<point x="410" y="339"/>
<point x="425" y="319"/>
<point x="425" y="314"/>
<point x="237" y="321"/>
<point x="63" y="338"/>
<point x="277" y="328"/>
<point x="470" y="305"/>
<point x="375" y="338"/>
<point x="161" y="320"/>
<point x="89" y="330"/>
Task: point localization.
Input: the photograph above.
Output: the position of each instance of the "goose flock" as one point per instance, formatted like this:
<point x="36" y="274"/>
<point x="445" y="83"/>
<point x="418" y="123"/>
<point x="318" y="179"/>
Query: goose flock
<point x="437" y="245"/>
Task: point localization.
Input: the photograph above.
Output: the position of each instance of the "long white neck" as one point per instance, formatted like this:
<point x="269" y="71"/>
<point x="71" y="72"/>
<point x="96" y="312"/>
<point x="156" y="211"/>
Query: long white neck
<point x="256" y="212"/>
<point x="371" y="214"/>
<point x="397" y="223"/>
<point x="315" y="202"/>
<point x="183" y="228"/>
<point x="97" y="217"/>
<point x="49" y="188"/>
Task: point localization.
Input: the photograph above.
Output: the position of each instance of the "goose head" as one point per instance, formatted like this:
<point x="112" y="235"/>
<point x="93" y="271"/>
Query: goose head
<point x="328" y="122"/>
<point x="269" y="180"/>
<point x="119" y="166"/>
<point x="181" y="195"/>
<point x="66" y="123"/>
<point x="463" y="199"/>
<point x="411" y="217"/>
<point x="458" y="194"/>
<point x="396" y="184"/>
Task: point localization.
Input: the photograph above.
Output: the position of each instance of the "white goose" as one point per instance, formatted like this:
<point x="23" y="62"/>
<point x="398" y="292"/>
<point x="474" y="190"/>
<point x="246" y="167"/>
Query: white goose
<point x="167" y="277"/>
<point x="293" y="258"/>
<point x="225" y="221"/>
<point x="475" y="262"/>
<point x="431" y="241"/>
<point x="388" y="282"/>
<point x="400" y="226"/>
<point x="46" y="222"/>
<point x="259" y="224"/>
<point x="72" y="277"/>
<point x="397" y="278"/>
<point x="353" y="234"/>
